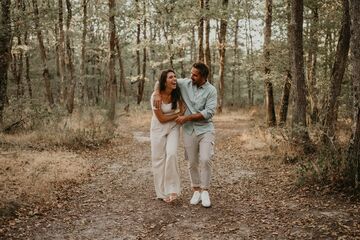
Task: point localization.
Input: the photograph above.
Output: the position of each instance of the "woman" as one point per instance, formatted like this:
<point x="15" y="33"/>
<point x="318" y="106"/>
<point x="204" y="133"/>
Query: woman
<point x="164" y="135"/>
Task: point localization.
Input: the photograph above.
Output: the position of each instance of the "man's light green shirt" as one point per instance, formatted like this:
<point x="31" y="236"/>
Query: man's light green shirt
<point x="198" y="100"/>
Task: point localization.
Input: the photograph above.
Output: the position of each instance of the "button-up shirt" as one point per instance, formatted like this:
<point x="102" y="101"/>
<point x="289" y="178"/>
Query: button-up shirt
<point x="202" y="100"/>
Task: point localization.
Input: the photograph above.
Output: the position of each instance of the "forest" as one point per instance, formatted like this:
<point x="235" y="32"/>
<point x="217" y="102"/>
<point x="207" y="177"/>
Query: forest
<point x="76" y="78"/>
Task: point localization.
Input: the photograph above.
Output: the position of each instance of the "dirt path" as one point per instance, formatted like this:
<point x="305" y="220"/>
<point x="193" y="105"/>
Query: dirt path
<point x="253" y="196"/>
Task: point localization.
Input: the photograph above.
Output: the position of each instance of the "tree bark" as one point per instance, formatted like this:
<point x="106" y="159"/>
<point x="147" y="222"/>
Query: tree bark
<point x="83" y="78"/>
<point x="43" y="56"/>
<point x="338" y="69"/>
<point x="207" y="40"/>
<point x="235" y="61"/>
<point x="284" y="104"/>
<point x="222" y="36"/>
<point x="138" y="52"/>
<point x="201" y="32"/>
<point x="300" y="131"/>
<point x="5" y="41"/>
<point x="312" y="66"/>
<point x="270" y="105"/>
<point x="353" y="156"/>
<point x="61" y="47"/>
<point x="141" y="85"/>
<point x="112" y="77"/>
<point x="122" y="85"/>
<point x="70" y="63"/>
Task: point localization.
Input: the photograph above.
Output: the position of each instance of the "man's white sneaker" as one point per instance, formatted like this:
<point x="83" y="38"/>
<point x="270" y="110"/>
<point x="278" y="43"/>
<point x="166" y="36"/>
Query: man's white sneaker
<point x="205" y="199"/>
<point x="196" y="198"/>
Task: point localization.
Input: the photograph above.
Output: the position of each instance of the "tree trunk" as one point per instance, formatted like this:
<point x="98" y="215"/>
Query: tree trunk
<point x="338" y="69"/>
<point x="270" y="105"/>
<point x="235" y="62"/>
<point x="43" y="56"/>
<point x="222" y="35"/>
<point x="27" y="66"/>
<point x="141" y="85"/>
<point x="207" y="40"/>
<point x="5" y="41"/>
<point x="250" y="57"/>
<point x="300" y="131"/>
<point x="312" y="66"/>
<point x="201" y="32"/>
<point x="353" y="156"/>
<point x="70" y="63"/>
<point x="284" y="104"/>
<point x="138" y="53"/>
<point x="112" y="77"/>
<point x="61" y="47"/>
<point x="122" y="85"/>
<point x="83" y="52"/>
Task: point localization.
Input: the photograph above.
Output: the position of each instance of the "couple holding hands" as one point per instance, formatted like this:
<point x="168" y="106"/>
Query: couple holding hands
<point x="190" y="103"/>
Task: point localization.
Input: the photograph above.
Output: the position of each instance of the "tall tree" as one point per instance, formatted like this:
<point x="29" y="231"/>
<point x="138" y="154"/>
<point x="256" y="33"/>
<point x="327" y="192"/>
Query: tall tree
<point x="201" y="32"/>
<point x="222" y="42"/>
<point x="61" y="49"/>
<point x="83" y="51"/>
<point x="270" y="105"/>
<point x="312" y="63"/>
<point x="284" y="103"/>
<point x="112" y="77"/>
<point x="297" y="62"/>
<point x="70" y="61"/>
<point x="138" y="34"/>
<point x="353" y="157"/>
<point x="207" y="40"/>
<point x="5" y="38"/>
<point x="337" y="75"/>
<point x="143" y="75"/>
<point x="46" y="75"/>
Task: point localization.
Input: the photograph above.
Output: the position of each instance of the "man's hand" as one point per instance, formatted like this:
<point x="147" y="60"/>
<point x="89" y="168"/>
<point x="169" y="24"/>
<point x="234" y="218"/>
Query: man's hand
<point x="157" y="100"/>
<point x="181" y="119"/>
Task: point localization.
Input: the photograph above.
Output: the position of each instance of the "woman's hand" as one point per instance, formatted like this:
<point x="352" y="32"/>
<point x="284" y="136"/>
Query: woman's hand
<point x="157" y="100"/>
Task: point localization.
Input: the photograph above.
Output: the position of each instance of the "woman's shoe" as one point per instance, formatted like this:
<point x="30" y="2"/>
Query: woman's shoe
<point x="171" y="198"/>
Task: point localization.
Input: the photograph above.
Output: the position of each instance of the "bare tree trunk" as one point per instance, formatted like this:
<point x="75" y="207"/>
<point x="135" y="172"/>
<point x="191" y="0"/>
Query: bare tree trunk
<point x="312" y="65"/>
<point x="138" y="52"/>
<point x="112" y="77"/>
<point x="338" y="69"/>
<point x="27" y="66"/>
<point x="142" y="79"/>
<point x="207" y="41"/>
<point x="83" y="52"/>
<point x="5" y="41"/>
<point x="122" y="85"/>
<point x="201" y="33"/>
<point x="70" y="63"/>
<point x="299" y="114"/>
<point x="61" y="47"/>
<point x="193" y="45"/>
<point x="46" y="77"/>
<point x="222" y="42"/>
<point x="249" y="56"/>
<point x="270" y="105"/>
<point x="353" y="156"/>
<point x="235" y="61"/>
<point x="284" y="104"/>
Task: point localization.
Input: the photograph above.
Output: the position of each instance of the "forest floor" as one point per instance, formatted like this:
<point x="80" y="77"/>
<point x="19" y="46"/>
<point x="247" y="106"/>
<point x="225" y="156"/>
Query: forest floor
<point x="108" y="193"/>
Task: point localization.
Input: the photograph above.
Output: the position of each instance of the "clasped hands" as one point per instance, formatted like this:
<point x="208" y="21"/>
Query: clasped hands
<point x="181" y="119"/>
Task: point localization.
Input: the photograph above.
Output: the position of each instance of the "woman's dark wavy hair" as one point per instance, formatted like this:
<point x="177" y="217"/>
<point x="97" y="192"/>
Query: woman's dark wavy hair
<point x="175" y="94"/>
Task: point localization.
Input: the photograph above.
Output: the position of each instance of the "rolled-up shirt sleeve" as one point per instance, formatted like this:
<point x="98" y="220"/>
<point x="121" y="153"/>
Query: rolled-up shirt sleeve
<point x="210" y="106"/>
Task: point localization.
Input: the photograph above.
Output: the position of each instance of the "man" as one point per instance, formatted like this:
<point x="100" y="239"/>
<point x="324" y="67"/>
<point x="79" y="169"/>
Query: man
<point x="200" y="98"/>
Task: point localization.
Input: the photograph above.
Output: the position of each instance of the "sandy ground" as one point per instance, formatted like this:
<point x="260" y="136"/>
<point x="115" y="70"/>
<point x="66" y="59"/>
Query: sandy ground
<point x="254" y="195"/>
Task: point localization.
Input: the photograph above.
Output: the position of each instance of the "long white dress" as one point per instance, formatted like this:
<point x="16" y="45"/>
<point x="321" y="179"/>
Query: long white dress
<point x="164" y="143"/>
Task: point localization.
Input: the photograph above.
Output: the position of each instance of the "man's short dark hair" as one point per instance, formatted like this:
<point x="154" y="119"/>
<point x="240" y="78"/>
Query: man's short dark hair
<point x="203" y="69"/>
